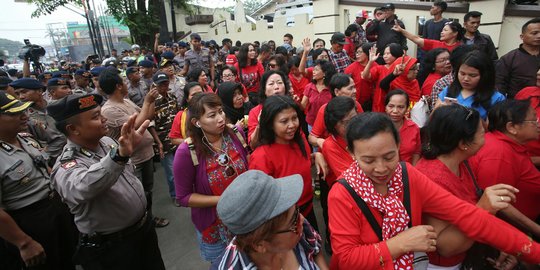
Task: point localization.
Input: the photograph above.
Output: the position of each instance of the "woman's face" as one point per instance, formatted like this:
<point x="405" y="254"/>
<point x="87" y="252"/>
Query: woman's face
<point x="478" y="140"/>
<point x="285" y="125"/>
<point x="238" y="99"/>
<point x="388" y="57"/>
<point x="396" y="108"/>
<point x="413" y="72"/>
<point x="442" y="63"/>
<point x="347" y="91"/>
<point x="528" y="130"/>
<point x="288" y="234"/>
<point x="341" y="126"/>
<point x="213" y="120"/>
<point x="323" y="56"/>
<point x="318" y="45"/>
<point x="468" y="77"/>
<point x="447" y="34"/>
<point x="361" y="56"/>
<point x="272" y="65"/>
<point x="252" y="52"/>
<point x="228" y="76"/>
<point x="194" y="90"/>
<point x="318" y="73"/>
<point x="203" y="80"/>
<point x="275" y="85"/>
<point x="378" y="157"/>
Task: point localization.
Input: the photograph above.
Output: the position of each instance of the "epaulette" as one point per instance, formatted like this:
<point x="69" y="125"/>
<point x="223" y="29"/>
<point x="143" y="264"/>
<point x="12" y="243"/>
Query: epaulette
<point x="29" y="139"/>
<point x="6" y="147"/>
<point x="192" y="152"/>
<point x="68" y="154"/>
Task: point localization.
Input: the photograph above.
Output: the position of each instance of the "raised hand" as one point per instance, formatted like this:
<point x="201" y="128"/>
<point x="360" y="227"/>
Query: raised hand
<point x="129" y="137"/>
<point x="397" y="28"/>
<point x="497" y="197"/>
<point x="373" y="55"/>
<point x="152" y="94"/>
<point x="306" y="44"/>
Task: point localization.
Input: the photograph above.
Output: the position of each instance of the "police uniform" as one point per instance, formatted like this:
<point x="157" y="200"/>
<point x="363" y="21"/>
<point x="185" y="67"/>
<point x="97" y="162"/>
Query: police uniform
<point x="83" y="90"/>
<point x="26" y="196"/>
<point x="106" y="198"/>
<point x="136" y="93"/>
<point x="199" y="59"/>
<point x="42" y="126"/>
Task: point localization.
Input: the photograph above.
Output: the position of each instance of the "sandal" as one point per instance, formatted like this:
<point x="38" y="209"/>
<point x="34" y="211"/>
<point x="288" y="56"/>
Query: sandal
<point x="161" y="222"/>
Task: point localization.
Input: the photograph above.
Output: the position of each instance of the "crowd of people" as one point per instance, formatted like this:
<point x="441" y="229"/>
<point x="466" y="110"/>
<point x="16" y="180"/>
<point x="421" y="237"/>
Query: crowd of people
<point x="248" y="135"/>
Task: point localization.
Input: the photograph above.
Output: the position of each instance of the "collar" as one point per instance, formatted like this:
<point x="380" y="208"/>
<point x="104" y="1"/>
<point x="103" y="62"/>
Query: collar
<point x="503" y="138"/>
<point x="525" y="51"/>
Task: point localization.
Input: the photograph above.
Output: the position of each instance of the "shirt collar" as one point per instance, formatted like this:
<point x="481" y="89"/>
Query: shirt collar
<point x="504" y="138"/>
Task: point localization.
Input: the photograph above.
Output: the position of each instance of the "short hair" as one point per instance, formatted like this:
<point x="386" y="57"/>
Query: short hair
<point x="109" y="79"/>
<point x="456" y="28"/>
<point x="351" y="29"/>
<point x="338" y="81"/>
<point x="319" y="40"/>
<point x="531" y="21"/>
<point x="474" y="14"/>
<point x="186" y="90"/>
<point x="394" y="93"/>
<point x="336" y="109"/>
<point x="509" y="110"/>
<point x="318" y="52"/>
<point x="289" y="36"/>
<point x="368" y="124"/>
<point x="264" y="78"/>
<point x="265" y="48"/>
<point x="193" y="74"/>
<point x="231" y="68"/>
<point x="225" y="41"/>
<point x="328" y="68"/>
<point x="396" y="50"/>
<point x="447" y="127"/>
<point x="442" y="4"/>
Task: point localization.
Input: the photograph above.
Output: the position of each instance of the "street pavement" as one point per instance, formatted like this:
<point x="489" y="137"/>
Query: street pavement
<point x="177" y="241"/>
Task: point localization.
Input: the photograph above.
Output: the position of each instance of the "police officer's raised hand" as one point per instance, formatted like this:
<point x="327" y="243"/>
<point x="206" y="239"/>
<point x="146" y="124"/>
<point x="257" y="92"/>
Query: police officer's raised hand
<point x="151" y="95"/>
<point x="32" y="253"/>
<point x="130" y="137"/>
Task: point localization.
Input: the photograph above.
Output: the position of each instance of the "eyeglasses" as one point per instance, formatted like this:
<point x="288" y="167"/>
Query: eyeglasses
<point x="225" y="161"/>
<point x="272" y="65"/>
<point x="444" y="60"/>
<point x="227" y="75"/>
<point x="294" y="226"/>
<point x="531" y="121"/>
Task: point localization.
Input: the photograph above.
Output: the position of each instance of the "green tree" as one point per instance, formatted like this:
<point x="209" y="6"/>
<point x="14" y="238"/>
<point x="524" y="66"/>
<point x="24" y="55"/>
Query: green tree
<point x="142" y="22"/>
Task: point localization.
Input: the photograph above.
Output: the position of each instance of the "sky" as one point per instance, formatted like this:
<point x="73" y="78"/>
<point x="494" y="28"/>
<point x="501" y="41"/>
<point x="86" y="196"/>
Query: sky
<point x="17" y="24"/>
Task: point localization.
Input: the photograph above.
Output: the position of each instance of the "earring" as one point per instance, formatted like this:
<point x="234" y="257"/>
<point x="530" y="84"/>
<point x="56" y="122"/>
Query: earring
<point x="465" y="148"/>
<point x="198" y="125"/>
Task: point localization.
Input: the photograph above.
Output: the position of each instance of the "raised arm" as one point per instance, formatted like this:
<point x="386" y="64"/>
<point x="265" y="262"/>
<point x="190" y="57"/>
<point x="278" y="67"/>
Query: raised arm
<point x="410" y="36"/>
<point x="373" y="55"/>
<point x="306" y="44"/>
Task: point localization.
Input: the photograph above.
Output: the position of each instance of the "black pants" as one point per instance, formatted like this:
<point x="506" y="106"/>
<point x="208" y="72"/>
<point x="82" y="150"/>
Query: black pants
<point x="145" y="172"/>
<point x="324" y="205"/>
<point x="136" y="251"/>
<point x="49" y="223"/>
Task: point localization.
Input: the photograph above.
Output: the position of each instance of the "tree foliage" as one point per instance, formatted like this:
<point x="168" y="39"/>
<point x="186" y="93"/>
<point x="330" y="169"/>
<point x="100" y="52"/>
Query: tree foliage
<point x="143" y="22"/>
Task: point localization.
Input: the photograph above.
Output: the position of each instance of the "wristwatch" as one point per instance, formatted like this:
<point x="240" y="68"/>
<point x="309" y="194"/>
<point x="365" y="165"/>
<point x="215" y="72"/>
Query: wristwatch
<point x="116" y="157"/>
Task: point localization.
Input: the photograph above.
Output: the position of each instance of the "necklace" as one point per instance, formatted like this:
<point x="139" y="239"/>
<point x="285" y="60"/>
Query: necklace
<point x="223" y="159"/>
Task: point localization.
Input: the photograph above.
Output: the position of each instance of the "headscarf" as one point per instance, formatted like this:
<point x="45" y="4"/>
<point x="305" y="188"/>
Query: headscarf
<point x="412" y="88"/>
<point x="395" y="217"/>
<point x="226" y="93"/>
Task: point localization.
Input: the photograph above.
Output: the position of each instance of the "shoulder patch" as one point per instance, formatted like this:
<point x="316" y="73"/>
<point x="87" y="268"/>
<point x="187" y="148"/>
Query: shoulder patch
<point x="69" y="164"/>
<point x="86" y="152"/>
<point x="8" y="148"/>
<point x="68" y="154"/>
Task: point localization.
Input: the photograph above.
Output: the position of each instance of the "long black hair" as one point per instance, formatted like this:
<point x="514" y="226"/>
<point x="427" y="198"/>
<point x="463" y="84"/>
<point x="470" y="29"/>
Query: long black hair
<point x="272" y="106"/>
<point x="186" y="90"/>
<point x="328" y="69"/>
<point x="336" y="110"/>
<point x="485" y="87"/>
<point x="429" y="64"/>
<point x="264" y="78"/>
<point x="243" y="56"/>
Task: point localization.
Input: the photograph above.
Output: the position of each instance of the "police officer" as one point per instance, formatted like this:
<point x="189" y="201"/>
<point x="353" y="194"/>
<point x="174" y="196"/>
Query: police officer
<point x="199" y="57"/>
<point x="36" y="228"/>
<point x="146" y="67"/>
<point x="40" y="124"/>
<point x="95" y="177"/>
<point x="82" y="81"/>
<point x="58" y="88"/>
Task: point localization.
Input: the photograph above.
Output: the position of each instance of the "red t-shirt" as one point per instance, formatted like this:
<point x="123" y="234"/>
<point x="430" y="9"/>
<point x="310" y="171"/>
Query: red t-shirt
<point x="253" y="120"/>
<point x="502" y="160"/>
<point x="431" y="79"/>
<point x="280" y="160"/>
<point x="461" y="186"/>
<point x="532" y="92"/>
<point x="298" y="86"/>
<point x="231" y="60"/>
<point x="378" y="73"/>
<point x="430" y="44"/>
<point x="316" y="100"/>
<point x="349" y="48"/>
<point x="251" y="76"/>
<point x="309" y="73"/>
<point x="319" y="127"/>
<point x="356" y="246"/>
<point x="364" y="88"/>
<point x="176" y="130"/>
<point x="336" y="155"/>
<point x="409" y="144"/>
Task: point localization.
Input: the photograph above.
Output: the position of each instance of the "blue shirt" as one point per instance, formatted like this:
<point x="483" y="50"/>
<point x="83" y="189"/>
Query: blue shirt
<point x="468" y="102"/>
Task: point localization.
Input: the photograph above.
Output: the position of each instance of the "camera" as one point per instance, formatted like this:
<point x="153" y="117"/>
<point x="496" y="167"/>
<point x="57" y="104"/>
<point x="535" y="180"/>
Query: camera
<point x="31" y="51"/>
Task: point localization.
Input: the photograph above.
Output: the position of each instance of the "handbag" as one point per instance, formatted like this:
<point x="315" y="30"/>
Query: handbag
<point x="421" y="260"/>
<point x="420" y="112"/>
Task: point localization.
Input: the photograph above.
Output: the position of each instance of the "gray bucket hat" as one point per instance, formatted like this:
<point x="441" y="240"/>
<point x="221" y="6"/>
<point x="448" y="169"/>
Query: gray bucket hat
<point x="255" y="197"/>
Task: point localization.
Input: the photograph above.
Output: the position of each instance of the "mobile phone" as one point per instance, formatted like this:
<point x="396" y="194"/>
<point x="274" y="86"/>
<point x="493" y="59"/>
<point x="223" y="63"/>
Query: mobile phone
<point x="450" y="99"/>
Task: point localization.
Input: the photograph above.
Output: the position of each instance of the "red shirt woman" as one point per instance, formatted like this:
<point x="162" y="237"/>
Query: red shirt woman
<point x="364" y="88"/>
<point x="409" y="133"/>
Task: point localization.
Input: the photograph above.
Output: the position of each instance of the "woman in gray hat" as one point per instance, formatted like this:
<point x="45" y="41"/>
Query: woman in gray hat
<point x="270" y="231"/>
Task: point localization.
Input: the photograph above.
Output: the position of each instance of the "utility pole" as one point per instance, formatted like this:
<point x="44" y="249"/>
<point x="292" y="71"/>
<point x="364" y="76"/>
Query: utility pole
<point x="173" y="22"/>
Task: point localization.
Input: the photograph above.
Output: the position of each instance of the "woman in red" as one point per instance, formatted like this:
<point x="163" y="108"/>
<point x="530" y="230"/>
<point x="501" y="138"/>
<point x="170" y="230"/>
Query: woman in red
<point x="455" y="133"/>
<point x="317" y="92"/>
<point x="250" y="71"/>
<point x="403" y="76"/>
<point x="451" y="35"/>
<point x="533" y="94"/>
<point x="198" y="75"/>
<point x="436" y="65"/>
<point x="179" y="126"/>
<point x="283" y="149"/>
<point x="396" y="196"/>
<point x="504" y="157"/>
<point x="364" y="88"/>
<point x="376" y="73"/>
<point x="297" y="79"/>
<point x="350" y="35"/>
<point x="396" y="107"/>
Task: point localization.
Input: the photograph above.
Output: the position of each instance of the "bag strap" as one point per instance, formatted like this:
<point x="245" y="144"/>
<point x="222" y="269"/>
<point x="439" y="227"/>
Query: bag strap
<point x="365" y="209"/>
<point x="192" y="152"/>
<point x="478" y="190"/>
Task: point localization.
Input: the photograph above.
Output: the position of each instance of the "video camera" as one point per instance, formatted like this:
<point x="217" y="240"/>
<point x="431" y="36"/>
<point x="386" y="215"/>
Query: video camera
<point x="31" y="51"/>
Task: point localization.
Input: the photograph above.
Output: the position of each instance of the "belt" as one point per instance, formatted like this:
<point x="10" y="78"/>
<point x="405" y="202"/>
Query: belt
<point x="98" y="238"/>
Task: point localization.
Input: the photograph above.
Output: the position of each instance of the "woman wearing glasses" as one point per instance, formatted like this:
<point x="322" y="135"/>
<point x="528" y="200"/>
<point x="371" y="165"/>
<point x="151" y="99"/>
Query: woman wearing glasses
<point x="397" y="105"/>
<point x="451" y="35"/>
<point x="455" y="134"/>
<point x="250" y="71"/>
<point x="270" y="231"/>
<point x="436" y="65"/>
<point x="473" y="85"/>
<point x="204" y="165"/>
<point x="283" y="150"/>
<point x="504" y="157"/>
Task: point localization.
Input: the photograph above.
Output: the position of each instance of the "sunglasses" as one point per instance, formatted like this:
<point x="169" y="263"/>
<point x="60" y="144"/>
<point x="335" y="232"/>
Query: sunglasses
<point x="272" y="65"/>
<point x="225" y="161"/>
<point x="294" y="226"/>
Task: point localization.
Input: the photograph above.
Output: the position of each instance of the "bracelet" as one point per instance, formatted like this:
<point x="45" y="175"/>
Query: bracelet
<point x="526" y="249"/>
<point x="381" y="259"/>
